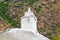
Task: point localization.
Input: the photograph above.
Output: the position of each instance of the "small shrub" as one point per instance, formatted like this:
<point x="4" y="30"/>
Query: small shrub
<point x="41" y="29"/>
<point x="20" y="5"/>
<point x="38" y="8"/>
<point x="30" y="2"/>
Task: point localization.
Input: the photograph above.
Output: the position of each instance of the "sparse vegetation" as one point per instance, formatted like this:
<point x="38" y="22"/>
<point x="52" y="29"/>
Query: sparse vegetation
<point x="49" y="6"/>
<point x="19" y="5"/>
<point x="30" y="2"/>
<point x="3" y="9"/>
<point x="38" y="8"/>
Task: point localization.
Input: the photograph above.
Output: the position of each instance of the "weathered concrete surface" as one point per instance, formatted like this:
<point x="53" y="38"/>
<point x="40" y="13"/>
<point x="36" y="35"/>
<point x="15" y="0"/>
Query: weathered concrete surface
<point x="21" y="35"/>
<point x="5" y="36"/>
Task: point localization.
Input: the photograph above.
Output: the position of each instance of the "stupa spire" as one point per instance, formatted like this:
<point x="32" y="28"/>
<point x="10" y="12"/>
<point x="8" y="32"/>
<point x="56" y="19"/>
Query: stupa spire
<point x="29" y="9"/>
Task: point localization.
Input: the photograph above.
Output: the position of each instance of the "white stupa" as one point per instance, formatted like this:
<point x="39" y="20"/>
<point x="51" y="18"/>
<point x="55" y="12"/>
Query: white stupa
<point x="29" y="21"/>
<point x="28" y="29"/>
